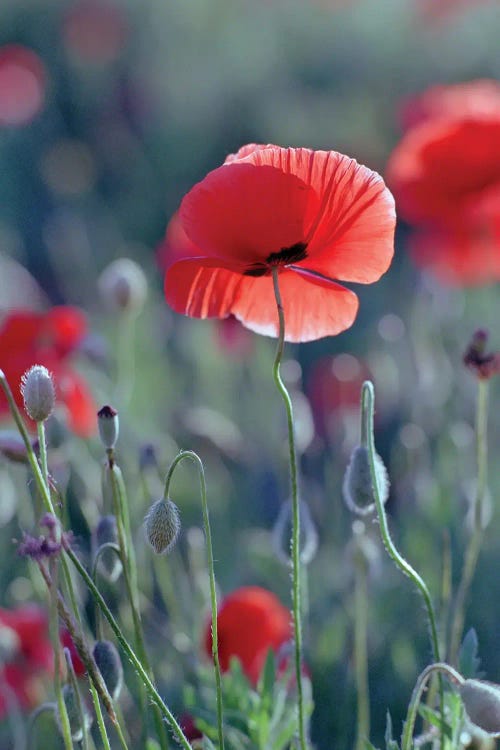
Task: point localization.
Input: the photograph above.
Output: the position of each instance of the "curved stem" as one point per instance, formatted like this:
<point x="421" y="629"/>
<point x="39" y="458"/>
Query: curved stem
<point x="295" y="540"/>
<point x="210" y="562"/>
<point x="475" y="541"/>
<point x="360" y="651"/>
<point x="33" y="718"/>
<point x="120" y="509"/>
<point x="150" y="688"/>
<point x="409" y="726"/>
<point x="367" y="412"/>
<point x="100" y="551"/>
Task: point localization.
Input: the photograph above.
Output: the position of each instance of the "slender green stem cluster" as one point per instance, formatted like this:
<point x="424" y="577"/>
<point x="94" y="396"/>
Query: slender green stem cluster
<point x="210" y="562"/>
<point x="295" y="540"/>
<point x="476" y="538"/>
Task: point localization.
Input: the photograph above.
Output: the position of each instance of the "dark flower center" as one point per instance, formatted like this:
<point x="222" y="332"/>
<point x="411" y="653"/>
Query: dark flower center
<point x="284" y="257"/>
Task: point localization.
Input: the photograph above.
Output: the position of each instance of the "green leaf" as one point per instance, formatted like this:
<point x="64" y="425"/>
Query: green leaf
<point x="432" y="717"/>
<point x="468" y="659"/>
<point x="390" y="744"/>
<point x="267" y="679"/>
<point x="207" y="744"/>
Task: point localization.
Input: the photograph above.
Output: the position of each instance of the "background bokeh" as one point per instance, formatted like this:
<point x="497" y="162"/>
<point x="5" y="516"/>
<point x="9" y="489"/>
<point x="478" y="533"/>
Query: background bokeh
<point x="111" y="113"/>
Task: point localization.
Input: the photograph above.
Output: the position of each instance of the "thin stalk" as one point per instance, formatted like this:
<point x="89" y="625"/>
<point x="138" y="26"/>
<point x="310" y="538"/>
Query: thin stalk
<point x="210" y="562"/>
<point x="361" y="652"/>
<point x="54" y="633"/>
<point x="367" y="411"/>
<point x="33" y="718"/>
<point x="120" y="509"/>
<point x="74" y="684"/>
<point x="475" y="540"/>
<point x="40" y="426"/>
<point x="100" y="719"/>
<point x="411" y="717"/>
<point x="295" y="539"/>
<point x="150" y="688"/>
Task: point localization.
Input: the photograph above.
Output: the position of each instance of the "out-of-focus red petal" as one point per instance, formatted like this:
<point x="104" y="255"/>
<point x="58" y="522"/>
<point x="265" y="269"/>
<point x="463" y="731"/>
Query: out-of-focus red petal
<point x="176" y="244"/>
<point x="440" y="166"/>
<point x="19" y="330"/>
<point x="243" y="214"/>
<point x="459" y="256"/>
<point x="65" y="327"/>
<point x="313" y="307"/>
<point x="250" y="621"/>
<point x="81" y="409"/>
<point x="67" y="642"/>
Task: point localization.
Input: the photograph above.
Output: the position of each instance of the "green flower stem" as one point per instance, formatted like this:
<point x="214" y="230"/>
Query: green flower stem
<point x="150" y="688"/>
<point x="120" y="509"/>
<point x="54" y="634"/>
<point x="295" y="540"/>
<point x="100" y="551"/>
<point x="475" y="541"/>
<point x="409" y="725"/>
<point x="367" y="412"/>
<point x="40" y="426"/>
<point x="74" y="684"/>
<point x="33" y="718"/>
<point x="210" y="562"/>
<point x="100" y="719"/>
<point x="361" y="651"/>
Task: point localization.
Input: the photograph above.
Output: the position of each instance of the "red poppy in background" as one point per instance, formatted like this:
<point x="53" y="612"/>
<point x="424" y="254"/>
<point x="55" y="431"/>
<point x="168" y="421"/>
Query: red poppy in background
<point x="445" y="174"/>
<point x="317" y="216"/>
<point x="250" y="622"/>
<point x="31" y="338"/>
<point x="334" y="388"/>
<point x="27" y="655"/>
<point x="22" y="85"/>
<point x="438" y="11"/>
<point x="67" y="642"/>
<point x="95" y="31"/>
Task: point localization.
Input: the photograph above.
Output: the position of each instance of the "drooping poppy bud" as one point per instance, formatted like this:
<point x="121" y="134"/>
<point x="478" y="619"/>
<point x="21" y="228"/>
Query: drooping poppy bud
<point x="162" y="525"/>
<point x="106" y="532"/>
<point x="282" y="532"/>
<point x="108" y="661"/>
<point x="358" y="486"/>
<point x="481" y="701"/>
<point x="123" y="285"/>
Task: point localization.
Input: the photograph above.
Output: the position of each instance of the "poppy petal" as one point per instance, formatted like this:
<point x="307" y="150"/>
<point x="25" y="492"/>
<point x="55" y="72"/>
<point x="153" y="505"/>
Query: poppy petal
<point x="243" y="213"/>
<point x="79" y="403"/>
<point x="314" y="307"/>
<point x="198" y="288"/>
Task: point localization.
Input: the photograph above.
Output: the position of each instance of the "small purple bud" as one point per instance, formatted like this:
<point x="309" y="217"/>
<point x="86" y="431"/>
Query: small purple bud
<point x="108" y="662"/>
<point x="481" y="701"/>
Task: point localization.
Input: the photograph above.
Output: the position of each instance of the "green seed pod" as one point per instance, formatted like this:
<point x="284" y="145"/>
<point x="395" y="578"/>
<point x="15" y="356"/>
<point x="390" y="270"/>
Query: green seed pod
<point x="108" y="424"/>
<point x="74" y="716"/>
<point x="108" y="661"/>
<point x="106" y="532"/>
<point x="38" y="391"/>
<point x="358" y="488"/>
<point x="162" y="525"/>
<point x="481" y="701"/>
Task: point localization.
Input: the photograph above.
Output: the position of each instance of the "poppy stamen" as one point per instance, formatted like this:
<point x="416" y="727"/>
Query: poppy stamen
<point x="286" y="256"/>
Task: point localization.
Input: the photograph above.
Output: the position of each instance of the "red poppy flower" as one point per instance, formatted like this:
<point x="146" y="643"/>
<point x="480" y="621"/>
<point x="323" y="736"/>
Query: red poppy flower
<point x="445" y="174"/>
<point x="438" y="11"/>
<point x="22" y="85"/>
<point x="317" y="216"/>
<point x="23" y="633"/>
<point x="31" y="338"/>
<point x="95" y="31"/>
<point x="250" y="621"/>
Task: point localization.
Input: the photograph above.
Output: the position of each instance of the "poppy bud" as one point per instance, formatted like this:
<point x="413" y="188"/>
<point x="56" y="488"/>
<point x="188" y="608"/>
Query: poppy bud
<point x="108" y="661"/>
<point x="108" y="424"/>
<point x="162" y="525"/>
<point x="74" y="715"/>
<point x="106" y="532"/>
<point x="37" y="389"/>
<point x="358" y="487"/>
<point x="481" y="701"/>
<point x="282" y="533"/>
<point x="123" y="285"/>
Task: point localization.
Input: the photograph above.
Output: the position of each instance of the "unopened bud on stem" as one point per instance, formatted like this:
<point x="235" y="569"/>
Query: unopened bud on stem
<point x="38" y="391"/>
<point x="162" y="525"/>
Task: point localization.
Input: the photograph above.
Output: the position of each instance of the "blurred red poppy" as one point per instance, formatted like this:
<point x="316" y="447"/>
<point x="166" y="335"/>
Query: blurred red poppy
<point x="95" y="31"/>
<point x="438" y="11"/>
<point x="22" y="85"/>
<point x="31" y="338"/>
<point x="250" y="622"/>
<point x="67" y="642"/>
<point x="334" y="388"/>
<point x="317" y="216"/>
<point x="445" y="174"/>
<point x="26" y="655"/>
